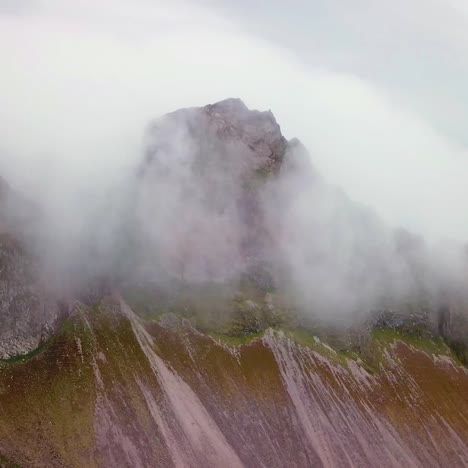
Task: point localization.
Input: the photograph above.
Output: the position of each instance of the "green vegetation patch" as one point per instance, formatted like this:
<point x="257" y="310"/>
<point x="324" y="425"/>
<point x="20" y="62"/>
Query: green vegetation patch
<point x="233" y="340"/>
<point x="434" y="345"/>
<point x="24" y="357"/>
<point x="237" y="314"/>
<point x="304" y="337"/>
<point x="5" y="463"/>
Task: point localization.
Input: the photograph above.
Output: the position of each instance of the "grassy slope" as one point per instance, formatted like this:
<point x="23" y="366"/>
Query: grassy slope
<point x="241" y="317"/>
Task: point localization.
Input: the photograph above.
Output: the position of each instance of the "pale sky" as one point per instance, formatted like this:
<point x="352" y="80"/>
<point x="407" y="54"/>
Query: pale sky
<point x="376" y="90"/>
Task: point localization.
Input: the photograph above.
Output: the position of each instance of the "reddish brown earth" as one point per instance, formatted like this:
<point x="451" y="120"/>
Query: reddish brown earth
<point x="109" y="390"/>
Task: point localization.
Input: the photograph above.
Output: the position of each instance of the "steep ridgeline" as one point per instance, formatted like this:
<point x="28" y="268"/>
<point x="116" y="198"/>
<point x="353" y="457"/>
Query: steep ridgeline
<point x="111" y="390"/>
<point x="245" y="313"/>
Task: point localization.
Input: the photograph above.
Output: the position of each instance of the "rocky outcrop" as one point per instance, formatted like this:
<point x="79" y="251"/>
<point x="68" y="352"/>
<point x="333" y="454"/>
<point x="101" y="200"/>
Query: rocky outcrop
<point x="201" y="181"/>
<point x="27" y="314"/>
<point x="244" y="140"/>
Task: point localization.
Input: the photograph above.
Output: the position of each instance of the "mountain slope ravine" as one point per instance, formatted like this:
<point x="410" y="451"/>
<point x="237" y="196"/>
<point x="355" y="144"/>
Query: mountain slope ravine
<point x="111" y="390"/>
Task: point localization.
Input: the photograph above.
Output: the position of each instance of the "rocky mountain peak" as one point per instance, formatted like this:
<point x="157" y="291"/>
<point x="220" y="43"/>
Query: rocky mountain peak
<point x="257" y="130"/>
<point x="252" y="135"/>
<point x="202" y="181"/>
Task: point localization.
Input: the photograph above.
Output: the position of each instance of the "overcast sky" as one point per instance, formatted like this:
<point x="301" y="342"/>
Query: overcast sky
<point x="376" y="90"/>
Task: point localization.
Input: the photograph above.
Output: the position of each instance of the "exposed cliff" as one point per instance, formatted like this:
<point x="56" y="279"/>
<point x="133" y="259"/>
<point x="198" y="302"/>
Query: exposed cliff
<point x="200" y="191"/>
<point x="28" y="312"/>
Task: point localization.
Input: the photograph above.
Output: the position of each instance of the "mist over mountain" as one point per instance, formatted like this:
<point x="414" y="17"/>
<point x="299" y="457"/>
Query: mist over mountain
<point x="220" y="196"/>
<point x="233" y="234"/>
<point x="220" y="290"/>
<point x="221" y="193"/>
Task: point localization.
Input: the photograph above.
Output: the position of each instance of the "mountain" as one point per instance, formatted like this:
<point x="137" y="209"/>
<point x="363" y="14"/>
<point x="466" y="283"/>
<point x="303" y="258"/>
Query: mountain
<point x="237" y="311"/>
<point x="109" y="389"/>
<point x="28" y="311"/>
<point x="201" y="184"/>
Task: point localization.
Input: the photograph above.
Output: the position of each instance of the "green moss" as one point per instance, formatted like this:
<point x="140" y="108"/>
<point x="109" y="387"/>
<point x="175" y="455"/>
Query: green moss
<point x="236" y="314"/>
<point x="5" y="463"/>
<point x="305" y="337"/>
<point x="382" y="338"/>
<point x="24" y="357"/>
<point x="236" y="340"/>
<point x="460" y="350"/>
<point x="435" y="345"/>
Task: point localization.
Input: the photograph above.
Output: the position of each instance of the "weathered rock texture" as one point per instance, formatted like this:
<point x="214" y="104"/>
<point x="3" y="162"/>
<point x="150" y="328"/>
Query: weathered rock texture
<point x="111" y="390"/>
<point x="28" y="314"/>
<point x="201" y="183"/>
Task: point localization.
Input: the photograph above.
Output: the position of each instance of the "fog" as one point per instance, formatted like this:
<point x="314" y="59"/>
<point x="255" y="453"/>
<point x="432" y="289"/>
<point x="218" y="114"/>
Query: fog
<point x="81" y="82"/>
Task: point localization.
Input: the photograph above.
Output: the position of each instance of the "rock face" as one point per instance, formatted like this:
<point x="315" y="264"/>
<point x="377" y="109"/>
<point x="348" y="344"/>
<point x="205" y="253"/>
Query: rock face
<point x="246" y="140"/>
<point x="27" y="313"/>
<point x="201" y="182"/>
<point x="222" y="195"/>
<point x="111" y="390"/>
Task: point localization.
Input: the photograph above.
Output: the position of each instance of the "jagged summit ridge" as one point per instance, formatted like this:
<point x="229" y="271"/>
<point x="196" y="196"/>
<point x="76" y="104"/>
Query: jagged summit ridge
<point x="231" y="122"/>
<point x="210" y="166"/>
<point x="258" y="130"/>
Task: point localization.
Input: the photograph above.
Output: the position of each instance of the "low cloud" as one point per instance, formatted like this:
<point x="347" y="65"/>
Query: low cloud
<point x="82" y="84"/>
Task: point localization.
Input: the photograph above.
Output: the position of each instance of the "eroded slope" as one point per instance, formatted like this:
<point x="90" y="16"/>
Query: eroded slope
<point x="111" y="390"/>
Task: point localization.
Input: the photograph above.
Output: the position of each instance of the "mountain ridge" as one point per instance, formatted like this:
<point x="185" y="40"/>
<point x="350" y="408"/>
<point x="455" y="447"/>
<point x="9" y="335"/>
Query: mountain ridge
<point x="237" y="311"/>
<point x="271" y="401"/>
